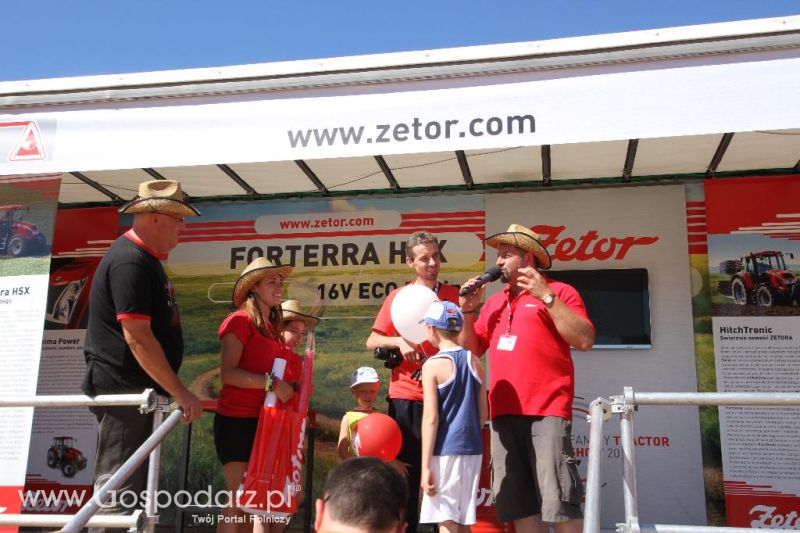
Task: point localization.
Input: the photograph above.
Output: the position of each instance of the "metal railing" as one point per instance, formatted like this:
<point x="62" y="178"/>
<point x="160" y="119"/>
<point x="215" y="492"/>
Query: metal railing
<point x="147" y="402"/>
<point x="139" y="520"/>
<point x="625" y="405"/>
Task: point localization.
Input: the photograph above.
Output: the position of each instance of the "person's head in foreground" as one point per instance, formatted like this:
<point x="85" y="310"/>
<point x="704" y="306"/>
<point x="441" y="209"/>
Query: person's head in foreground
<point x="362" y="494"/>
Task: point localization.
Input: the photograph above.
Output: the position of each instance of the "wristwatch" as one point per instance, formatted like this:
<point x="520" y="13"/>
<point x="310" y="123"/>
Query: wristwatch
<point x="548" y="299"/>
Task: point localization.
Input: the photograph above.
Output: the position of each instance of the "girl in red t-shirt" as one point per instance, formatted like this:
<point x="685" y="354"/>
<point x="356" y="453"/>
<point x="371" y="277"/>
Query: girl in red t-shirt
<point x="251" y="340"/>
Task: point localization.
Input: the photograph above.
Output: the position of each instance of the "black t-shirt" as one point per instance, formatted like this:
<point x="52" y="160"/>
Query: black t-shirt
<point x="130" y="282"/>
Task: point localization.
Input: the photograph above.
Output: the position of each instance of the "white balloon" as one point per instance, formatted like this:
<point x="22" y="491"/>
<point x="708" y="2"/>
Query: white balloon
<point x="408" y="308"/>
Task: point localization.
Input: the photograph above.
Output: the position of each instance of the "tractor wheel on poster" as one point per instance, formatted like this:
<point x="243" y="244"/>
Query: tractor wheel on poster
<point x="739" y="291"/>
<point x="765" y="297"/>
<point x="17" y="246"/>
<point x="52" y="458"/>
<point x="68" y="469"/>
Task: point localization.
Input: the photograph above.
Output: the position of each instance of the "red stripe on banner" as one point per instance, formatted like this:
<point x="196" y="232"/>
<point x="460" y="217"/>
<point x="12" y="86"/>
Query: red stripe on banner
<point x="694" y="228"/>
<point x="697" y="238"/>
<point x="46" y="185"/>
<point x="442" y="222"/>
<point x="701" y="203"/>
<point x="228" y="223"/>
<point x="207" y="231"/>
<point x="748" y="196"/>
<point x="403" y="231"/>
<point x="698" y="249"/>
<point x="411" y="216"/>
<point x="696" y="211"/>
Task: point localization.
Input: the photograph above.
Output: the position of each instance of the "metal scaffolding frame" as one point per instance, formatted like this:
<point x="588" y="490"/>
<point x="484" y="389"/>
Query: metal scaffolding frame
<point x="625" y="405"/>
<point x="147" y="402"/>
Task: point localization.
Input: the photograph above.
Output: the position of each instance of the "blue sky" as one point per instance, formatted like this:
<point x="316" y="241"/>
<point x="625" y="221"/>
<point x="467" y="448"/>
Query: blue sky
<point x="55" y="38"/>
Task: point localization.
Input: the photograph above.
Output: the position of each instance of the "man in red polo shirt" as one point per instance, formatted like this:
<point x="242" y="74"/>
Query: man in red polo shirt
<point x="405" y="387"/>
<point x="528" y="329"/>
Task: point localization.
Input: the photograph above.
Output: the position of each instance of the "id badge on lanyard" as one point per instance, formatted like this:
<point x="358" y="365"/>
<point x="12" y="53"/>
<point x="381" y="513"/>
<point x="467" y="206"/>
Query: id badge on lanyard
<point x="507" y="341"/>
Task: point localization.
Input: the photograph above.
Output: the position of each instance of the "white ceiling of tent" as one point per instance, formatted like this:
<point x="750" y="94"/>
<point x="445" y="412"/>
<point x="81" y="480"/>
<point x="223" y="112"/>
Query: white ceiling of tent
<point x="670" y="156"/>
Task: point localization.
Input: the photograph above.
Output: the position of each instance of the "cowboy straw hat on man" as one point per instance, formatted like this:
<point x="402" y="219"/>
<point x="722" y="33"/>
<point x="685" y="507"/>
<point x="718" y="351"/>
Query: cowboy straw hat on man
<point x="258" y="269"/>
<point x="292" y="311"/>
<point x="523" y="238"/>
<point x="160" y="196"/>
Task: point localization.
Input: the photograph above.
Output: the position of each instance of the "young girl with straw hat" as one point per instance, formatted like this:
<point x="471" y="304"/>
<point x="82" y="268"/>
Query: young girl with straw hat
<point x="295" y="323"/>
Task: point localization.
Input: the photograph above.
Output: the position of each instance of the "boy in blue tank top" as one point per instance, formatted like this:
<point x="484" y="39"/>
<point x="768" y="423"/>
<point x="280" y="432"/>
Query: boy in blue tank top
<point x="454" y="411"/>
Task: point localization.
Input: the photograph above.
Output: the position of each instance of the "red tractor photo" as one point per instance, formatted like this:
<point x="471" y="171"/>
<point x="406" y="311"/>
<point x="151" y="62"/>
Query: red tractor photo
<point x="63" y="455"/>
<point x="760" y="278"/>
<point x="18" y="237"/>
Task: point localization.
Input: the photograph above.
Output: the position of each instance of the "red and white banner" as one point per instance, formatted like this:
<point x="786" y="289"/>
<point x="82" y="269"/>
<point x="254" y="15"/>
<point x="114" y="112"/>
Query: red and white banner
<point x="27" y="212"/>
<point x="754" y="264"/>
<point x="525" y="108"/>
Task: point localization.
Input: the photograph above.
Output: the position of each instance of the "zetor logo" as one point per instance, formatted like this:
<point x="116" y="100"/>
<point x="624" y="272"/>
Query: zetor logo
<point x="589" y="245"/>
<point x="29" y="146"/>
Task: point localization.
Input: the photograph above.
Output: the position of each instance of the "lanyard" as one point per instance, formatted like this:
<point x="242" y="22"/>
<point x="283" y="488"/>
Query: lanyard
<point x="511" y="304"/>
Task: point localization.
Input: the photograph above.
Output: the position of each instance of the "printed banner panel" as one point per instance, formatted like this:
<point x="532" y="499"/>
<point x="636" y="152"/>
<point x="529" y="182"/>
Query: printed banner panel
<point x="27" y="212"/>
<point x="63" y="441"/>
<point x="754" y="263"/>
<point x="529" y="108"/>
<point x="344" y="252"/>
<point x="641" y="228"/>
<point x="348" y="254"/>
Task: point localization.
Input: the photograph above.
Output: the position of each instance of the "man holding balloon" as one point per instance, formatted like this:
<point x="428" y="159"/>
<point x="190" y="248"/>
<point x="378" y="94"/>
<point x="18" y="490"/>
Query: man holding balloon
<point x="528" y="329"/>
<point x="397" y="328"/>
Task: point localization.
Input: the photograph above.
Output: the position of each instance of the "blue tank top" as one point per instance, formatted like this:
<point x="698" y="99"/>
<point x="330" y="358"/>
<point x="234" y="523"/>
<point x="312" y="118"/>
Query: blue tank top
<point x="459" y="431"/>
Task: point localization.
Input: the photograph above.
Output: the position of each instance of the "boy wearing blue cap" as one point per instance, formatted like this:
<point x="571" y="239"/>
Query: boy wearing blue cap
<point x="454" y="411"/>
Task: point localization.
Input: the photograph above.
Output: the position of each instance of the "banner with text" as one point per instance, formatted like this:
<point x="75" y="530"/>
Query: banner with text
<point x="64" y="440"/>
<point x="435" y="115"/>
<point x="754" y="263"/>
<point x="27" y="212"/>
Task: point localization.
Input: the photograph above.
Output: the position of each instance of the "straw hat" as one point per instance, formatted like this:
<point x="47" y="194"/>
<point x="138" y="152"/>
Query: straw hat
<point x="257" y="270"/>
<point x="162" y="196"/>
<point x="292" y="311"/>
<point x="524" y="239"/>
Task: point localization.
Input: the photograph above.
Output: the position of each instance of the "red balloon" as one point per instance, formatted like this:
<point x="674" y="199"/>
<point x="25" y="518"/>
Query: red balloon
<point x="377" y="435"/>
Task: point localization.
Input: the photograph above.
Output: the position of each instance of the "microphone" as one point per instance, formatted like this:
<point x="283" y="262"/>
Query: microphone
<point x="492" y="274"/>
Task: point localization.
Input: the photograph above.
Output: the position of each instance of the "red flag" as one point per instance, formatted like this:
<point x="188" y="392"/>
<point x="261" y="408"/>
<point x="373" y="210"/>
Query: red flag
<point x="272" y="484"/>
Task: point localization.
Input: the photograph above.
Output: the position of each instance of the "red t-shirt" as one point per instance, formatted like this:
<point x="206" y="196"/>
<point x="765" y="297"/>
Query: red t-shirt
<point x="401" y="385"/>
<point x="258" y="355"/>
<point x="536" y="377"/>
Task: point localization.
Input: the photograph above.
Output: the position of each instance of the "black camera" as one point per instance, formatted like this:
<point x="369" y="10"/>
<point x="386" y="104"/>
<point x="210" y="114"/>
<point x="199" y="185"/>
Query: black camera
<point x="391" y="357"/>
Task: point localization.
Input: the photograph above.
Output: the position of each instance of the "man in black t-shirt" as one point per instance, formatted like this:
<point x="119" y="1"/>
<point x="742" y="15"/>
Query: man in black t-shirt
<point x="134" y="338"/>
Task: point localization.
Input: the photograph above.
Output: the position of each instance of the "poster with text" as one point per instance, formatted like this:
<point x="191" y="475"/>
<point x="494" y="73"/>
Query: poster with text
<point x="754" y="261"/>
<point x="348" y="254"/>
<point x="64" y="440"/>
<point x="606" y="234"/>
<point x="27" y="212"/>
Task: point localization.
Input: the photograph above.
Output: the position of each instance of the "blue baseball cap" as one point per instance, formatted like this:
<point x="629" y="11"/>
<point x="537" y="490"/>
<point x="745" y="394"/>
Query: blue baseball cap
<point x="444" y="315"/>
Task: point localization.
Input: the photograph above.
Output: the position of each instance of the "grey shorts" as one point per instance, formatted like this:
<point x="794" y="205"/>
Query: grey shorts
<point x="534" y="469"/>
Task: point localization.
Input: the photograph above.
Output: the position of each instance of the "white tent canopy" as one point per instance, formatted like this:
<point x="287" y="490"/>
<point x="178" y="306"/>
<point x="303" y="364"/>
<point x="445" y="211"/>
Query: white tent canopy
<point x="633" y="107"/>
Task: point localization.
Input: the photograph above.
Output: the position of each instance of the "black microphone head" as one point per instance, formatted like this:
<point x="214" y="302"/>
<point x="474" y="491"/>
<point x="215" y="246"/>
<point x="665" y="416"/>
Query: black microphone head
<point x="494" y="273"/>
